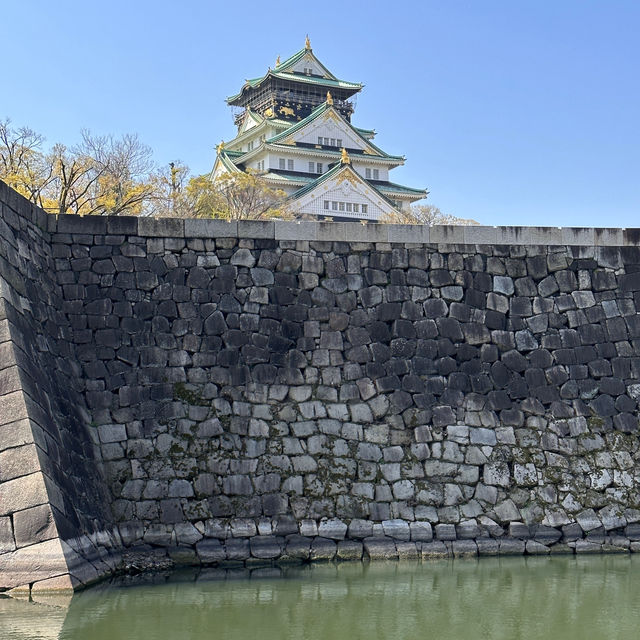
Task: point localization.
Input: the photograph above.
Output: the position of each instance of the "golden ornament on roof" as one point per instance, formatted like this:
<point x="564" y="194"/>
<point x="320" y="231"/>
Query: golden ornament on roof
<point x="268" y="112"/>
<point x="344" y="156"/>
<point x="307" y="43"/>
<point x="278" y="61"/>
<point x="329" y="99"/>
<point x="220" y="147"/>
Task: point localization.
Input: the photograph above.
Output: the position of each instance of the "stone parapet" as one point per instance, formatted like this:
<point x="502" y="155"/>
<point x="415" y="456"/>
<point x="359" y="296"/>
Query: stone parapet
<point x="310" y="230"/>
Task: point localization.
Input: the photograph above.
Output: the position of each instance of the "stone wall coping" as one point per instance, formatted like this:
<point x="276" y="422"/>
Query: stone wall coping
<point x="344" y="231"/>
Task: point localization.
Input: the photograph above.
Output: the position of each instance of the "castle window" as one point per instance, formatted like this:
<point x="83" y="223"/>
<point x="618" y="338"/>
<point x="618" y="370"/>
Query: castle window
<point x="326" y="204"/>
<point x="364" y="208"/>
<point x="367" y="173"/>
<point x="319" y="139"/>
<point x="281" y="163"/>
<point x="348" y="206"/>
<point x="376" y="174"/>
<point x="290" y="165"/>
<point x="356" y="208"/>
<point x="333" y="142"/>
<point x="339" y="142"/>
<point x="312" y="167"/>
<point x="334" y="205"/>
<point x="341" y="207"/>
<point x="319" y="167"/>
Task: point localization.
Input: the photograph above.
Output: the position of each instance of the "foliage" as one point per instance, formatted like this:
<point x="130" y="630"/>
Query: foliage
<point x="426" y="214"/>
<point x="236" y="196"/>
<point x="101" y="175"/>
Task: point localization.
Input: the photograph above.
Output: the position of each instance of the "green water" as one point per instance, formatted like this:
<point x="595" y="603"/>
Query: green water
<point x="560" y="597"/>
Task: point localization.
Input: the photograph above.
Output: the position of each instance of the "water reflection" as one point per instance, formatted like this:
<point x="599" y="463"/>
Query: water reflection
<point x="510" y="598"/>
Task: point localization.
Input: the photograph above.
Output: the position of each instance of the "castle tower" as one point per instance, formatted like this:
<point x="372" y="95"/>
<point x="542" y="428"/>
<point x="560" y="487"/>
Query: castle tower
<point x="294" y="129"/>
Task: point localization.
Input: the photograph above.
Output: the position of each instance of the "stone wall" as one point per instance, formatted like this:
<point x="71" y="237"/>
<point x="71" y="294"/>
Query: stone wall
<point x="307" y="390"/>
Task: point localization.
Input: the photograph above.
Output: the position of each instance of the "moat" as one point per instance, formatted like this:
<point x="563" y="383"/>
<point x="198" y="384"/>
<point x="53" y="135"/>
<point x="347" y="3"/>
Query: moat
<point x="564" y="596"/>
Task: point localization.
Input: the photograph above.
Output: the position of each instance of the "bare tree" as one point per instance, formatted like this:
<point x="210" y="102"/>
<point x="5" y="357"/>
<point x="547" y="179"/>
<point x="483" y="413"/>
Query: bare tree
<point x="22" y="162"/>
<point x="426" y="214"/>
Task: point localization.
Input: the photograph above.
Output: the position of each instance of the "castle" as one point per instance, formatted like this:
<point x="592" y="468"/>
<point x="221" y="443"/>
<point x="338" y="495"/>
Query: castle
<point x="295" y="131"/>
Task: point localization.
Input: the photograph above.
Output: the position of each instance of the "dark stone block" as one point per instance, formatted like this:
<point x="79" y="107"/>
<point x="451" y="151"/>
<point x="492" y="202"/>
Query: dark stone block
<point x="403" y="329"/>
<point x="443" y="416"/>
<point x="388" y="383"/>
<point x="591" y="334"/>
<point x="446" y="347"/>
<point x="379" y="332"/>
<point x="435" y="308"/>
<point x="388" y="311"/>
<point x="629" y="282"/>
<point x="446" y="365"/>
<point x="603" y="406"/>
<point x="514" y="361"/>
<point x="495" y="320"/>
<point x="440" y="277"/>
<point x="626" y="422"/>
<point x="497" y="400"/>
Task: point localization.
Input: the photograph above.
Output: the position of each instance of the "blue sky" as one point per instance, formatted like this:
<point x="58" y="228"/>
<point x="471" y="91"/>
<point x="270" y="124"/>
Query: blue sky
<point x="508" y="111"/>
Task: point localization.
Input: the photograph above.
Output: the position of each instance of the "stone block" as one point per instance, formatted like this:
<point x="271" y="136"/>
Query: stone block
<point x="332" y="528"/>
<point x="32" y="564"/>
<point x="534" y="548"/>
<point x="266" y="547"/>
<point x="446" y="532"/>
<point x="161" y="227"/>
<point x="22" y="493"/>
<point x="434" y="551"/>
<point x="210" y="551"/>
<point x="322" y="549"/>
<point x="34" y="525"/>
<point x="19" y="461"/>
<point x="210" y="228"/>
<point x="306" y="230"/>
<point x="13" y="407"/>
<point x="510" y="547"/>
<point x="380" y="549"/>
<point x="396" y="529"/>
<point x="464" y="548"/>
<point x="82" y="224"/>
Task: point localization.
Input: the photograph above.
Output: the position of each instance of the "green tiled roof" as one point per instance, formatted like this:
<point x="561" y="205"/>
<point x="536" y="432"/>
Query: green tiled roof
<point x="392" y="187"/>
<point x="281" y="72"/>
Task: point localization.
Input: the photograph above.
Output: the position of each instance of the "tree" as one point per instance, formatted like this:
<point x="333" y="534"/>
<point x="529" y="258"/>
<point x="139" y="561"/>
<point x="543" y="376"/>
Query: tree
<point x="426" y="214"/>
<point x="176" y="194"/>
<point x="22" y="162"/>
<point x="237" y="196"/>
<point x="101" y="175"/>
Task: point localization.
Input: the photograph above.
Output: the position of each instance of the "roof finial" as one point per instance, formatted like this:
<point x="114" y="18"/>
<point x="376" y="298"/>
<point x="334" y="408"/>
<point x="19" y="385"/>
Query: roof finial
<point x="344" y="156"/>
<point x="220" y="147"/>
<point x="278" y="61"/>
<point x="307" y="43"/>
<point x="329" y="99"/>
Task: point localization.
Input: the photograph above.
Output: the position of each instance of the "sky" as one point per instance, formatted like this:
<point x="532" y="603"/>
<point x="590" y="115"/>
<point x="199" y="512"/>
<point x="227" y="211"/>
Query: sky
<point x="510" y="112"/>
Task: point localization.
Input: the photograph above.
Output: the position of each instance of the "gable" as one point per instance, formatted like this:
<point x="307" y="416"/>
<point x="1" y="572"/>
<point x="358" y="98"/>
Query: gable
<point x="343" y="195"/>
<point x="308" y="64"/>
<point x="331" y="126"/>
<point x="249" y="121"/>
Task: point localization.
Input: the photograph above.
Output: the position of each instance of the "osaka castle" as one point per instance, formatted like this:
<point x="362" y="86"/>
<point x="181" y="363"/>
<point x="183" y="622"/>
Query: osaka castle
<point x="295" y="131"/>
